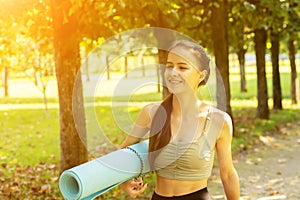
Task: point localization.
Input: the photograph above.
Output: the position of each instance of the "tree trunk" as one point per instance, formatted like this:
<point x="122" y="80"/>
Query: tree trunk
<point x="5" y="81"/>
<point x="107" y="67"/>
<point x="220" y="45"/>
<point x="87" y="67"/>
<point x="294" y="76"/>
<point x="44" y="91"/>
<point x="126" y="66"/>
<point x="162" y="57"/>
<point x="67" y="64"/>
<point x="164" y="40"/>
<point x="36" y="77"/>
<point x="141" y="62"/>
<point x="241" y="57"/>
<point x="260" y="38"/>
<point x="277" y="96"/>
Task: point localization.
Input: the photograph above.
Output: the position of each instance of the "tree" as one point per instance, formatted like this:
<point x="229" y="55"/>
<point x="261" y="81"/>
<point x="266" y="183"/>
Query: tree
<point x="275" y="19"/>
<point x="277" y="96"/>
<point x="294" y="77"/>
<point x="188" y="17"/>
<point x="26" y="41"/>
<point x="67" y="64"/>
<point x="259" y="25"/>
<point x="219" y="20"/>
<point x="240" y="34"/>
<point x="4" y="64"/>
<point x="34" y="61"/>
<point x="162" y="59"/>
<point x="4" y="61"/>
<point x="40" y="31"/>
<point x="9" y="15"/>
<point x="293" y="34"/>
<point x="162" y="14"/>
<point x="260" y="39"/>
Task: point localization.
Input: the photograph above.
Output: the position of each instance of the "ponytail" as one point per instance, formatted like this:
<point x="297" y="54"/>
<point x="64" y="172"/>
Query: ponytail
<point x="160" y="131"/>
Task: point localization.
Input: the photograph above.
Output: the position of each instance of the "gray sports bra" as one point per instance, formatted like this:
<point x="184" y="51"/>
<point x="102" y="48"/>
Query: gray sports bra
<point x="188" y="160"/>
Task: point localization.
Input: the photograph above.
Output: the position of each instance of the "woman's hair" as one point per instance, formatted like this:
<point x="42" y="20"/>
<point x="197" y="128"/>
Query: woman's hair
<point x="160" y="131"/>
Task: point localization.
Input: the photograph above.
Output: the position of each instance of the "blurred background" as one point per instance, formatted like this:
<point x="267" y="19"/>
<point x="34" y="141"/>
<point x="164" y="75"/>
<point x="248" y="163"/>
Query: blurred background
<point x="44" y="44"/>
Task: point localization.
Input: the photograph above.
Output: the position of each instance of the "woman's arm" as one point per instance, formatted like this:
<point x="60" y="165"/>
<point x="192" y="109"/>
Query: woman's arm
<point x="228" y="173"/>
<point x="142" y="125"/>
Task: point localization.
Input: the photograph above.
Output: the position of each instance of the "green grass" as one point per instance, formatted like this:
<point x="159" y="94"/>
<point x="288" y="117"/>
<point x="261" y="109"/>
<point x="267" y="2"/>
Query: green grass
<point x="31" y="138"/>
<point x="28" y="136"/>
<point x="248" y="129"/>
<point x="32" y="100"/>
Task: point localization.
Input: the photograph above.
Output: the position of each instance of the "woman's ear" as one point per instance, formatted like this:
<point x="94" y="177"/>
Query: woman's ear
<point x="202" y="75"/>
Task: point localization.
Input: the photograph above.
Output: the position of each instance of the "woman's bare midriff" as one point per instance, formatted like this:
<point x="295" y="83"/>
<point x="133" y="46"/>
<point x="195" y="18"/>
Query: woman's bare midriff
<point x="178" y="187"/>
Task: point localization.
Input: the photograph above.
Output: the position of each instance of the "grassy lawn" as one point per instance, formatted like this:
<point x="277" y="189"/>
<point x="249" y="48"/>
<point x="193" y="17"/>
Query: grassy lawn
<point x="29" y="145"/>
<point x="28" y="136"/>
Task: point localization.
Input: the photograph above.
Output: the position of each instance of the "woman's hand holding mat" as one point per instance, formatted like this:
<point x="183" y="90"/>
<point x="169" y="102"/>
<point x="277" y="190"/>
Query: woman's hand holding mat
<point x="134" y="187"/>
<point x="91" y="179"/>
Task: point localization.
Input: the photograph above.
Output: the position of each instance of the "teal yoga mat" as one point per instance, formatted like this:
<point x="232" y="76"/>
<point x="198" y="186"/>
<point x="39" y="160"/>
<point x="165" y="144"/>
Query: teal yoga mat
<point x="91" y="179"/>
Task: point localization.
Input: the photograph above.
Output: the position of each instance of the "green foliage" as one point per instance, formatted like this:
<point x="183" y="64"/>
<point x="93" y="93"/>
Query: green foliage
<point x="239" y="30"/>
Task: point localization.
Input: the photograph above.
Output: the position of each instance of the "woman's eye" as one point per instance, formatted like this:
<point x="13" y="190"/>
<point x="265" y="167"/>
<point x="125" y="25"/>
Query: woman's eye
<point x="169" y="66"/>
<point x="183" y="68"/>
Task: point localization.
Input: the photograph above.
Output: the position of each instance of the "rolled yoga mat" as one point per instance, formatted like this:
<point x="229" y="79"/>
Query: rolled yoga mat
<point x="91" y="179"/>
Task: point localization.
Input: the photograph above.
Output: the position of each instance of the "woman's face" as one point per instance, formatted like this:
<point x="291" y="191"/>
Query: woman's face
<point x="181" y="75"/>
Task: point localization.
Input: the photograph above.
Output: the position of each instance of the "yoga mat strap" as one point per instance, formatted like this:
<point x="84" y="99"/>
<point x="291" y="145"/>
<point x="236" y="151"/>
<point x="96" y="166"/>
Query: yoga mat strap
<point x="139" y="157"/>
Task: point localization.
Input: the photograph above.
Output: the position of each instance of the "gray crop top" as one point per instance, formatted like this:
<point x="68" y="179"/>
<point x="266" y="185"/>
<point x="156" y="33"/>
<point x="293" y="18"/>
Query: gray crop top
<point x="187" y="160"/>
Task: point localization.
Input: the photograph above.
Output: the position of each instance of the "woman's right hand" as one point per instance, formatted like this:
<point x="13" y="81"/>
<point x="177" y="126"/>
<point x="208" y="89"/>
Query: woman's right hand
<point x="134" y="187"/>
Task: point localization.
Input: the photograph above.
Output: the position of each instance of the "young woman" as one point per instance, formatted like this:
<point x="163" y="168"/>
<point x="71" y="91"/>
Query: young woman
<point x="184" y="133"/>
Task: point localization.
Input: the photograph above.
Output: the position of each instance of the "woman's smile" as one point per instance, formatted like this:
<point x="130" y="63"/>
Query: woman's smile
<point x="175" y="81"/>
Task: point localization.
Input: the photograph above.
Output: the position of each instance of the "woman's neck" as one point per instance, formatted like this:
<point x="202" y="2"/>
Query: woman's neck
<point x="185" y="105"/>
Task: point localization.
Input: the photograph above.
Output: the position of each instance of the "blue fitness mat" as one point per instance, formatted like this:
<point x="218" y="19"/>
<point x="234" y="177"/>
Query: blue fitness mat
<point x="91" y="179"/>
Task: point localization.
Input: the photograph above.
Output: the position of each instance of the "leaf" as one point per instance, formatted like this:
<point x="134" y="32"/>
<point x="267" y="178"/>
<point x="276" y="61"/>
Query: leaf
<point x="4" y="165"/>
<point x="216" y="4"/>
<point x="267" y="140"/>
<point x="282" y="160"/>
<point x="14" y="161"/>
<point x="45" y="188"/>
<point x="13" y="188"/>
<point x="274" y="192"/>
<point x="116" y="193"/>
<point x="249" y="6"/>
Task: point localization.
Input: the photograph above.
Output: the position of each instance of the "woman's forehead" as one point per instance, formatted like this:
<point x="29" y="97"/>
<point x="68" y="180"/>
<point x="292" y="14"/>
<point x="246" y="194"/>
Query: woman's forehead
<point x="183" y="55"/>
<point x="174" y="57"/>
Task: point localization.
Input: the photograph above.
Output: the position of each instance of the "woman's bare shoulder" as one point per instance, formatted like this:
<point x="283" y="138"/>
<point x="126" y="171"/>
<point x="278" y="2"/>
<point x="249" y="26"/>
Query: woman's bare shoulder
<point x="151" y="108"/>
<point x="223" y="120"/>
<point x="220" y="114"/>
<point x="219" y="117"/>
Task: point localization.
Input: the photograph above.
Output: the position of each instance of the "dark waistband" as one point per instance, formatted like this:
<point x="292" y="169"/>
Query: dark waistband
<point x="198" y="195"/>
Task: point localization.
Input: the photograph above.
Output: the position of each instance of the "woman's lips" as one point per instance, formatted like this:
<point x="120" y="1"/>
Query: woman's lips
<point x="174" y="81"/>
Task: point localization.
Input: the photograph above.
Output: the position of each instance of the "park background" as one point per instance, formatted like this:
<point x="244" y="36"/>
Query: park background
<point x="43" y="45"/>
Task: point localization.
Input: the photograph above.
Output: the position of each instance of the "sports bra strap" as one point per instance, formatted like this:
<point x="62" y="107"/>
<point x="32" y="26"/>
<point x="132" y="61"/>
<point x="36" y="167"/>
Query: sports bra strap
<point x="207" y="119"/>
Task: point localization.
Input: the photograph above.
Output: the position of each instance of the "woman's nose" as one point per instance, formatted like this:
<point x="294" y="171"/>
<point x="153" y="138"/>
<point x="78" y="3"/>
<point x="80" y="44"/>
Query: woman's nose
<point x="174" y="71"/>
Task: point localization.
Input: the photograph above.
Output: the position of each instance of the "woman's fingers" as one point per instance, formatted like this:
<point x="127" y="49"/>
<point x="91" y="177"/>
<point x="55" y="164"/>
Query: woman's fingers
<point x="136" y="191"/>
<point x="134" y="187"/>
<point x="136" y="182"/>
